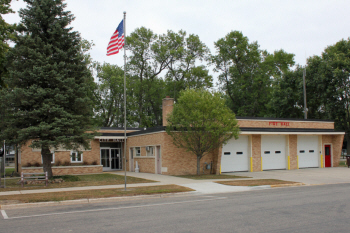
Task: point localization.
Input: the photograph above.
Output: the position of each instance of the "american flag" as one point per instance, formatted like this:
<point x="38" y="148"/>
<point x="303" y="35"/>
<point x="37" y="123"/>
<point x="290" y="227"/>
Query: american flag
<point x="117" y="40"/>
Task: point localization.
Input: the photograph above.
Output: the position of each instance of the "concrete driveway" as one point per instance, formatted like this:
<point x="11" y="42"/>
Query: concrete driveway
<point x="309" y="176"/>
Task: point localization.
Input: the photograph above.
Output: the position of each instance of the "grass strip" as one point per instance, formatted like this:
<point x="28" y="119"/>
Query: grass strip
<point x="101" y="193"/>
<point x="342" y="164"/>
<point x="256" y="182"/>
<point x="212" y="176"/>
<point x="76" y="181"/>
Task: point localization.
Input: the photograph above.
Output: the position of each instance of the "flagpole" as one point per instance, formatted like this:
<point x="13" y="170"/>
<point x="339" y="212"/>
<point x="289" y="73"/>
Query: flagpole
<point x="124" y="99"/>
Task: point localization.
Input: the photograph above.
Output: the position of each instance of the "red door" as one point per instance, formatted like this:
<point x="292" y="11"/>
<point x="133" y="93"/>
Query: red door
<point x="327" y="155"/>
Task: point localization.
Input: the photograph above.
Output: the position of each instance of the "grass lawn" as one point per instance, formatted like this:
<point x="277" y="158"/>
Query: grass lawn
<point x="76" y="181"/>
<point x="73" y="195"/>
<point x="256" y="182"/>
<point x="212" y="176"/>
<point x="9" y="170"/>
<point x="343" y="164"/>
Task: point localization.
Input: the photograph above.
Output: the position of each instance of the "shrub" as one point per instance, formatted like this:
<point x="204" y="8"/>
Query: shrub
<point x="85" y="163"/>
<point x="28" y="165"/>
<point x="94" y="163"/>
<point x="37" y="164"/>
<point x="66" y="163"/>
<point x="58" y="163"/>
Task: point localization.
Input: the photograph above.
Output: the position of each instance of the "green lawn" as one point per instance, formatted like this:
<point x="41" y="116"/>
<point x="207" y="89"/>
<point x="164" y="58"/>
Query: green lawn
<point x="9" y="171"/>
<point x="343" y="164"/>
<point x="99" y="193"/>
<point x="76" y="181"/>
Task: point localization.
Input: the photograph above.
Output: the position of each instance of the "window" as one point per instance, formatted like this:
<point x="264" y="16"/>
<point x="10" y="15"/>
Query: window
<point x="76" y="156"/>
<point x="311" y="151"/>
<point x="302" y="151"/>
<point x="266" y="152"/>
<point x="150" y="150"/>
<point x="53" y="157"/>
<point x="277" y="152"/>
<point x="227" y="153"/>
<point x="239" y="153"/>
<point x="137" y="151"/>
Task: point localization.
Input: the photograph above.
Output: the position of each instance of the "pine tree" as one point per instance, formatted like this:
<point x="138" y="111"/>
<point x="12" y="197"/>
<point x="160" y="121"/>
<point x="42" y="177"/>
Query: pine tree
<point x="47" y="102"/>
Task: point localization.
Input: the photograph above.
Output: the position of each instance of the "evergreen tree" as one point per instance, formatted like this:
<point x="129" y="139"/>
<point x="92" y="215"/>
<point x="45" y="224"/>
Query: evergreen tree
<point x="47" y="100"/>
<point x="5" y="34"/>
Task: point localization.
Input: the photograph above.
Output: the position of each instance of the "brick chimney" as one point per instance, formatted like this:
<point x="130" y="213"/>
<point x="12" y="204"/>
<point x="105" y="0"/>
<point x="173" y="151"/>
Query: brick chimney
<point x="167" y="107"/>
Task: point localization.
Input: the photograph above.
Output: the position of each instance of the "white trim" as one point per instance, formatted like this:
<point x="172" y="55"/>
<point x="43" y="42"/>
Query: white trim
<point x="139" y="155"/>
<point x="66" y="167"/>
<point x="109" y="137"/>
<point x="71" y="158"/>
<point x="287" y="133"/>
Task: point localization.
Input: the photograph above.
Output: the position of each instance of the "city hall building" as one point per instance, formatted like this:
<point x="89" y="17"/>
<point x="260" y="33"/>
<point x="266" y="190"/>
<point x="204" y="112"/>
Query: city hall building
<point x="263" y="144"/>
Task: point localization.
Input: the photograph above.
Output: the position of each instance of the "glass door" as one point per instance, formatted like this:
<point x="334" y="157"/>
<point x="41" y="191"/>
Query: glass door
<point x="111" y="159"/>
<point x="115" y="159"/>
<point x="105" y="158"/>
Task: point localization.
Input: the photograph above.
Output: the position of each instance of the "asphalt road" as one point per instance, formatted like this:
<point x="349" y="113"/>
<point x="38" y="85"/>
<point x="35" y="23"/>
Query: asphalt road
<point x="318" y="209"/>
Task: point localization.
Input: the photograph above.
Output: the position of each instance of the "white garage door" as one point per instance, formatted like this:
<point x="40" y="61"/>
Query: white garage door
<point x="273" y="152"/>
<point x="307" y="151"/>
<point x="235" y="155"/>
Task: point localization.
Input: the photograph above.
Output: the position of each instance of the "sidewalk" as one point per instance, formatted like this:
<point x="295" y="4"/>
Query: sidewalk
<point x="309" y="176"/>
<point x="207" y="186"/>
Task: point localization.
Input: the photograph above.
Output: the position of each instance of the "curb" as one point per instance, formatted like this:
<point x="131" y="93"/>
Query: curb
<point x="86" y="201"/>
<point x="286" y="185"/>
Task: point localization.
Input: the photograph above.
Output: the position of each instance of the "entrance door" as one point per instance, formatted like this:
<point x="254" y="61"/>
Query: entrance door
<point x="159" y="166"/>
<point x="327" y="155"/>
<point x="105" y="158"/>
<point x="115" y="159"/>
<point x="131" y="159"/>
<point x="111" y="159"/>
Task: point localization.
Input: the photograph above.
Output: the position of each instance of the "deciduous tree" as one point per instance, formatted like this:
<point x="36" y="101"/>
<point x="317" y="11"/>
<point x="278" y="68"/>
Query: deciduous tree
<point x="201" y="122"/>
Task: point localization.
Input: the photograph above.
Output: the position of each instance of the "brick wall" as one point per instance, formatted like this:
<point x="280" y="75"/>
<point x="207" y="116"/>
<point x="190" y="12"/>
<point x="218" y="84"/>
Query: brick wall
<point x="337" y="141"/>
<point x="175" y="161"/>
<point x="293" y="151"/>
<point x="256" y="152"/>
<point x="28" y="155"/>
<point x="167" y="107"/>
<point x="67" y="170"/>
<point x="281" y="124"/>
<point x="146" y="164"/>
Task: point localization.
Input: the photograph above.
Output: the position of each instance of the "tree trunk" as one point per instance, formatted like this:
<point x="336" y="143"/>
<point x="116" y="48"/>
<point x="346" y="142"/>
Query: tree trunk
<point x="347" y="136"/>
<point x="198" y="165"/>
<point x="47" y="158"/>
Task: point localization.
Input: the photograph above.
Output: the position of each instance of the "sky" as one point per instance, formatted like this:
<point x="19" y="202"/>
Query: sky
<point x="302" y="27"/>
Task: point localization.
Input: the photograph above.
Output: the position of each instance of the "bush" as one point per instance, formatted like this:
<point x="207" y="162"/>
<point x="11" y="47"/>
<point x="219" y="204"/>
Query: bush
<point x="85" y="163"/>
<point x="37" y="164"/>
<point x="58" y="163"/>
<point x="66" y="163"/>
<point x="94" y="163"/>
<point x="28" y="165"/>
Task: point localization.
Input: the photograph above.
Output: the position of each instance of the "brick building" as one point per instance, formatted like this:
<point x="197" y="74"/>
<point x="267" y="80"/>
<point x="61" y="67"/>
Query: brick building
<point x="263" y="144"/>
